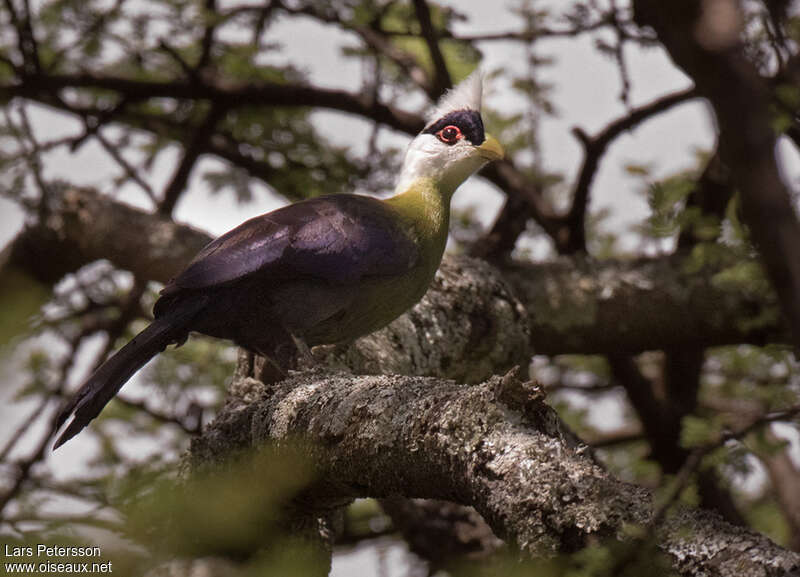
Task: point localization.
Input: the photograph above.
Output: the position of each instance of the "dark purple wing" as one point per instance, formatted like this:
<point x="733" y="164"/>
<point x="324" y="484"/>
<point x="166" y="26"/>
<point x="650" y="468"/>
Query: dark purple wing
<point x="339" y="238"/>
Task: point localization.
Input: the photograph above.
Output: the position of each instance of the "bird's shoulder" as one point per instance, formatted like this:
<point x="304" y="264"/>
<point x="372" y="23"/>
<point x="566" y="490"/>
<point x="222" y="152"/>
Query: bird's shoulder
<point x="337" y="238"/>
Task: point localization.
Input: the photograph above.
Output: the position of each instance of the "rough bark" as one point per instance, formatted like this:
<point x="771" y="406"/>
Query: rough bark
<point x="572" y="306"/>
<point x="584" y="306"/>
<point x="495" y="446"/>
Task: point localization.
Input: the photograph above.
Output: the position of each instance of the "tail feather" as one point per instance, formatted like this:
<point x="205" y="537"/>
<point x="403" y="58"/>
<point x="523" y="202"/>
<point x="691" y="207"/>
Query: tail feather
<point x="109" y="378"/>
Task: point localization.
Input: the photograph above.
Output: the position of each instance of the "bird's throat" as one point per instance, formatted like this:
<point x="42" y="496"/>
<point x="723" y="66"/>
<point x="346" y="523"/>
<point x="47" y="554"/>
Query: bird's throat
<point x="425" y="209"/>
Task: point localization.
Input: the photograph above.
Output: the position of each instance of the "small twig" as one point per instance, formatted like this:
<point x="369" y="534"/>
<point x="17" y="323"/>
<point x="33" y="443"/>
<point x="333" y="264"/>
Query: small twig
<point x="129" y="170"/>
<point x="129" y="309"/>
<point x="30" y="37"/>
<point x="619" y="54"/>
<point x="88" y="33"/>
<point x="70" y="520"/>
<point x="26" y="44"/>
<point x="32" y="156"/>
<point x="374" y="37"/>
<point x="594" y="149"/>
<point x="193" y="150"/>
<point x="621" y="437"/>
<point x="683" y="476"/>
<point x="191" y="429"/>
<point x="24" y="467"/>
<point x="376" y="40"/>
<point x="92" y="123"/>
<point x="538" y="33"/>
<point x="375" y="90"/>
<point x="24" y="427"/>
<point x="263" y="13"/>
<point x="697" y="455"/>
<point x="188" y="70"/>
<point x="207" y="42"/>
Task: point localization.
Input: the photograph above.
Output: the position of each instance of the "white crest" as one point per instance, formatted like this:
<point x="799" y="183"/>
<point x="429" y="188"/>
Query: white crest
<point x="467" y="95"/>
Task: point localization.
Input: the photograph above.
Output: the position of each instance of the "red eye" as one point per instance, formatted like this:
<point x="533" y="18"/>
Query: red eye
<point x="449" y="134"/>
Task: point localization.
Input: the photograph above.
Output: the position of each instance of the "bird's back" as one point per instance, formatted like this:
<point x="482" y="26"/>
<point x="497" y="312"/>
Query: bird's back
<point x="326" y="270"/>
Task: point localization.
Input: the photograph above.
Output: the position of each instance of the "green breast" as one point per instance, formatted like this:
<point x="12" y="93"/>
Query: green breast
<point x="376" y="301"/>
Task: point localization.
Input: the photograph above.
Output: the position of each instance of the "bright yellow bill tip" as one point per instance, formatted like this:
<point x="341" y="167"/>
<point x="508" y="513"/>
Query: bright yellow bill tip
<point x="491" y="149"/>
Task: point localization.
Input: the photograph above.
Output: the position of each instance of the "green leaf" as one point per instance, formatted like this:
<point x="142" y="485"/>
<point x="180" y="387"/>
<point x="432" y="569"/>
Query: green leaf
<point x="22" y="297"/>
<point x="697" y="431"/>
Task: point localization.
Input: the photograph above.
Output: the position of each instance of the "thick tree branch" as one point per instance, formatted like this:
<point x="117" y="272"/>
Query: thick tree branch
<point x="221" y="92"/>
<point x="495" y="446"/>
<point x="83" y="226"/>
<point x="579" y="306"/>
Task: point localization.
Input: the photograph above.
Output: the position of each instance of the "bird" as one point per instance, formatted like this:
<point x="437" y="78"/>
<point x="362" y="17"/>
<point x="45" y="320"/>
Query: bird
<point x="320" y="271"/>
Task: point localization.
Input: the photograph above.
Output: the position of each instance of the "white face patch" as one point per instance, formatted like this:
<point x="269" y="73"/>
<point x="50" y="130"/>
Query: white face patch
<point x="447" y="164"/>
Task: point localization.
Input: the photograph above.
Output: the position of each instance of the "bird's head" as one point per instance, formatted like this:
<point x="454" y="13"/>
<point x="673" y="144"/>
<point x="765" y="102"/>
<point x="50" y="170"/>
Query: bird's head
<point x="453" y="144"/>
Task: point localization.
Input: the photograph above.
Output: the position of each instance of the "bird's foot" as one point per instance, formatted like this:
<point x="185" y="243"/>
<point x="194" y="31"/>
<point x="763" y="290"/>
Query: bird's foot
<point x="269" y="371"/>
<point x="305" y="359"/>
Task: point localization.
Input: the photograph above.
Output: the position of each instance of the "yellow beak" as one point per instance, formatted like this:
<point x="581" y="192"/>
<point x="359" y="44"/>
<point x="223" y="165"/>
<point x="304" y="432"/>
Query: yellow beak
<point x="490" y="149"/>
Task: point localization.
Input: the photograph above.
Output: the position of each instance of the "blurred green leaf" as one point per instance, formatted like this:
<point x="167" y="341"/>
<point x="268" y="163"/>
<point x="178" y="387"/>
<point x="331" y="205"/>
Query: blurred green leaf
<point x="697" y="431"/>
<point x="230" y="511"/>
<point x="22" y="297"/>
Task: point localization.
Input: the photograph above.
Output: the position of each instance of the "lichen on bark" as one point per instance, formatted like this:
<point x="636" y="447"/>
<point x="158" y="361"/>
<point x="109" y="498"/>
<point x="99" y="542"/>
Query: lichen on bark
<point x="496" y="446"/>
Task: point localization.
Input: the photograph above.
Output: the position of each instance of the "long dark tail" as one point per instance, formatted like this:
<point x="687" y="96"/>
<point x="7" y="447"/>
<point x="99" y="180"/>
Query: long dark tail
<point x="109" y="378"/>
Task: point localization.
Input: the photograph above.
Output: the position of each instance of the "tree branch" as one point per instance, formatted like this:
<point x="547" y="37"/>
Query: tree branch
<point x="441" y="76"/>
<point x="712" y="54"/>
<point x="494" y="446"/>
<point x="570" y="306"/>
<point x="194" y="148"/>
<point x="662" y="419"/>
<point x="222" y="92"/>
<point x="440" y="531"/>
<point x="42" y="88"/>
<point x="594" y="149"/>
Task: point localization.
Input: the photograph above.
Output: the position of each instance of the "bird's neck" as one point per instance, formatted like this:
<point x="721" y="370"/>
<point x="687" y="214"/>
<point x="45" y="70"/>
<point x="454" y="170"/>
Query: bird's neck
<point x="426" y="209"/>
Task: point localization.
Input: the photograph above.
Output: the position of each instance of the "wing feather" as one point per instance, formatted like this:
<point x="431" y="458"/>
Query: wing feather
<point x="338" y="239"/>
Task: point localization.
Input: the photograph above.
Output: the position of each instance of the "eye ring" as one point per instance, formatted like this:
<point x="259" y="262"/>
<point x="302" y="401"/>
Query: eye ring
<point x="450" y="134"/>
